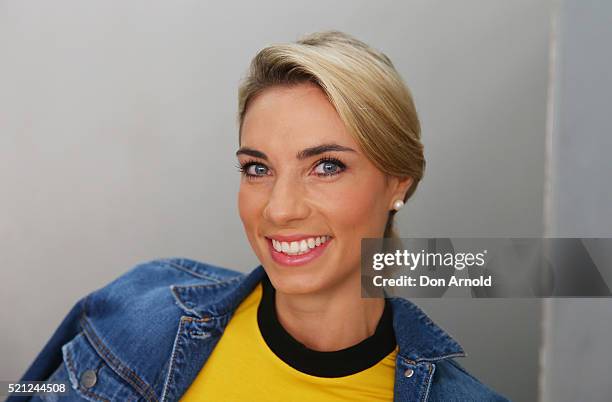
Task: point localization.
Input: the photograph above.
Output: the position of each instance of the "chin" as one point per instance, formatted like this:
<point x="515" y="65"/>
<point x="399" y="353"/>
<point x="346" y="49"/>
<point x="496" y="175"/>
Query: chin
<point x="294" y="282"/>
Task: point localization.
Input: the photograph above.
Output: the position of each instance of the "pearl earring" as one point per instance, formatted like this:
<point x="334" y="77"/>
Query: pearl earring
<point x="398" y="204"/>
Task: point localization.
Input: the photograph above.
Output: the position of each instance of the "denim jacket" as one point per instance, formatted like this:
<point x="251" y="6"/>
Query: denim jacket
<point x="146" y="335"/>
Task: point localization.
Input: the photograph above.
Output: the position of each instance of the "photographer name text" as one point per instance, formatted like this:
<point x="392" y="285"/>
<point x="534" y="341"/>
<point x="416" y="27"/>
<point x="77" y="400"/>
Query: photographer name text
<point x="431" y="261"/>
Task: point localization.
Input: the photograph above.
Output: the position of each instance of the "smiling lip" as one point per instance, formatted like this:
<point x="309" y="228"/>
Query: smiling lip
<point x="295" y="260"/>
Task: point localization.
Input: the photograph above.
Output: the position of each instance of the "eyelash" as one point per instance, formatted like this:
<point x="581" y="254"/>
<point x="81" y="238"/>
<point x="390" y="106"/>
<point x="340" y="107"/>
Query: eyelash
<point x="243" y="168"/>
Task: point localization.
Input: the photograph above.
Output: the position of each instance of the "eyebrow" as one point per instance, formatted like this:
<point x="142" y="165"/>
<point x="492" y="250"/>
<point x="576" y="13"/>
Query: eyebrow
<point x="303" y="154"/>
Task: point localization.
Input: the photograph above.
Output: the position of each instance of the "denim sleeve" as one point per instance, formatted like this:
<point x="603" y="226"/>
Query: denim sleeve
<point x="50" y="357"/>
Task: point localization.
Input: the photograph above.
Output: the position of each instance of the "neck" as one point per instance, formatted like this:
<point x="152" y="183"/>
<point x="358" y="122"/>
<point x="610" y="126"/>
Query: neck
<point x="333" y="319"/>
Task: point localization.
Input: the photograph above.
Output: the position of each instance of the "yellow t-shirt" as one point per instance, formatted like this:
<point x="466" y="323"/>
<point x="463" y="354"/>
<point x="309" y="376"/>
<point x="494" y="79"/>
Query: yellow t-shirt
<point x="242" y="368"/>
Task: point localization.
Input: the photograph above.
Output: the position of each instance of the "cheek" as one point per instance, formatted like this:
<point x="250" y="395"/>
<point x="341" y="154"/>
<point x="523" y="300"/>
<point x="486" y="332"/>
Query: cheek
<point x="357" y="210"/>
<point x="248" y="206"/>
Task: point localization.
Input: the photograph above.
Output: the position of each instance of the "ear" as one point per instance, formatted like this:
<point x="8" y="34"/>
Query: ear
<point x="400" y="186"/>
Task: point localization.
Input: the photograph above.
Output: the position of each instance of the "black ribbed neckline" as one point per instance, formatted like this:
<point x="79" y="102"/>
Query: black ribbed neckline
<point x="338" y="363"/>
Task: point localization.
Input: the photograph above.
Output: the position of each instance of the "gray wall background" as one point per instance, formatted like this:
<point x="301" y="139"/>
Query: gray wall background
<point x="117" y="134"/>
<point x="577" y="357"/>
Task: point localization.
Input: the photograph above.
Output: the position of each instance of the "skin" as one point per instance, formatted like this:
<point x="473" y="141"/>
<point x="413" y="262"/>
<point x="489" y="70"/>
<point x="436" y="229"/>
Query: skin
<point x="318" y="303"/>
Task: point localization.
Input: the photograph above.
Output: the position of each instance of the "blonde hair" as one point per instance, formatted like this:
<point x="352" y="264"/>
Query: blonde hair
<point x="362" y="84"/>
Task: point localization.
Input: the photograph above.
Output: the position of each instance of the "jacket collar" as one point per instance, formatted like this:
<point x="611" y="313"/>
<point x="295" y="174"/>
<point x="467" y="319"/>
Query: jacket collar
<point x="418" y="338"/>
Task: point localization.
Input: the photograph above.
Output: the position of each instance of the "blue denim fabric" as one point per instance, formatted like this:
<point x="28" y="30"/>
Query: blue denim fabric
<point x="146" y="335"/>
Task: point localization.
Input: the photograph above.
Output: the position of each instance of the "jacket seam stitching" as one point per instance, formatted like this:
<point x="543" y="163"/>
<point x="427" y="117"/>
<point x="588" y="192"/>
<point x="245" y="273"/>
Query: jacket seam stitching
<point x="217" y="284"/>
<point x="174" y="265"/>
<point x="427" y="383"/>
<point x="430" y="359"/>
<point x="105" y="353"/>
<point x="438" y="358"/>
<point x="189" y="271"/>
<point x="177" y="292"/>
<point x="79" y="387"/>
<point x="179" y="302"/>
<point x="173" y="360"/>
<point x="132" y="378"/>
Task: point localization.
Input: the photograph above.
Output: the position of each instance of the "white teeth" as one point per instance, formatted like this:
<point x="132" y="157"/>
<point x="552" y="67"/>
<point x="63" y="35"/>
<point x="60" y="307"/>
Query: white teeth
<point x="294" y="247"/>
<point x="299" y="247"/>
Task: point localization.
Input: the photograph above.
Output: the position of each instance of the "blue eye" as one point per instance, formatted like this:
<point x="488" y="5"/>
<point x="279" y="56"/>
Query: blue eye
<point x="253" y="169"/>
<point x="257" y="170"/>
<point x="329" y="167"/>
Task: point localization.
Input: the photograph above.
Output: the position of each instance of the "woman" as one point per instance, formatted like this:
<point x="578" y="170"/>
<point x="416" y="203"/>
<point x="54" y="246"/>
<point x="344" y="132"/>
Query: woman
<point x="329" y="151"/>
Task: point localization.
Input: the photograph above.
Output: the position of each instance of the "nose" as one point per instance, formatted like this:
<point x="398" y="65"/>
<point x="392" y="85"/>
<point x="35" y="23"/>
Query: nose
<point x="287" y="202"/>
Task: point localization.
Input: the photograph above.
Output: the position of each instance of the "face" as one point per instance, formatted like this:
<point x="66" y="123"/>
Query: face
<point x="308" y="194"/>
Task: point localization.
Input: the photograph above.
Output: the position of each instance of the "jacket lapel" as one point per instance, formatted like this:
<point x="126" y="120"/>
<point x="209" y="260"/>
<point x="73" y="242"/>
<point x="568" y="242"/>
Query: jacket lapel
<point x="208" y="309"/>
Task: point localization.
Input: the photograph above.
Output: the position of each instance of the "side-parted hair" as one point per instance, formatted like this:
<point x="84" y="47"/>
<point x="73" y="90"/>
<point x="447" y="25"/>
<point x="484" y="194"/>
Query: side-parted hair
<point x="366" y="90"/>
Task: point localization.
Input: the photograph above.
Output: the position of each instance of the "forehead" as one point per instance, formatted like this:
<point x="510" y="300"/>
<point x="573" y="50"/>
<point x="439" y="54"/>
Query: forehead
<point x="293" y="117"/>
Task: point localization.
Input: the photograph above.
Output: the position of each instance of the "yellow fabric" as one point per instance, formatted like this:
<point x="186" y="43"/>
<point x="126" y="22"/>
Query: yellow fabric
<point x="242" y="368"/>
